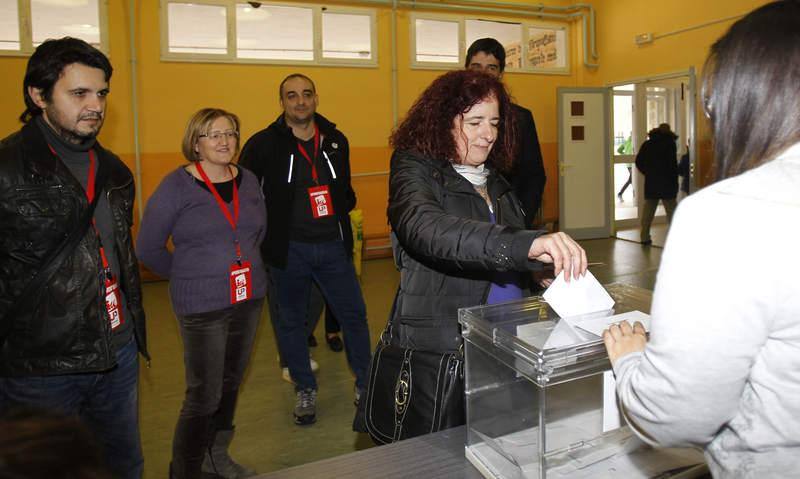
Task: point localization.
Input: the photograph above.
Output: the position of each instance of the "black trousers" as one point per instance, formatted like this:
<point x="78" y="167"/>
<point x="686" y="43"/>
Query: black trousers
<point x="216" y="350"/>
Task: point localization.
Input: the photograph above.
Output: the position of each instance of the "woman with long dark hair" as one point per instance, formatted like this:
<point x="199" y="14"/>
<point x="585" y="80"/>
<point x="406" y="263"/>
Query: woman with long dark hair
<point x="722" y="367"/>
<point x="458" y="230"/>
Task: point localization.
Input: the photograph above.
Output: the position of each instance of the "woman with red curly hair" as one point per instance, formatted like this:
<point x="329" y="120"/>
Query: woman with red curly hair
<point x="458" y="230"/>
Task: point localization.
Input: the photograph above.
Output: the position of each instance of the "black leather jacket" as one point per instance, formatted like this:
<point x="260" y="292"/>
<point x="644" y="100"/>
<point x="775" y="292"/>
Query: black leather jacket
<point x="446" y="248"/>
<point x="268" y="155"/>
<point x="66" y="329"/>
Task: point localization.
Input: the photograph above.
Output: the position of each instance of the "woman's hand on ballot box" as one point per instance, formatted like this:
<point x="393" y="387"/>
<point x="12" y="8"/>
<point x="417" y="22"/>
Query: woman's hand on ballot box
<point x="562" y="251"/>
<point x="621" y="339"/>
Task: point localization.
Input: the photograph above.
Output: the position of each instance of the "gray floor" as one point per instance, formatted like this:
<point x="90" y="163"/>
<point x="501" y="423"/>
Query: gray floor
<point x="266" y="436"/>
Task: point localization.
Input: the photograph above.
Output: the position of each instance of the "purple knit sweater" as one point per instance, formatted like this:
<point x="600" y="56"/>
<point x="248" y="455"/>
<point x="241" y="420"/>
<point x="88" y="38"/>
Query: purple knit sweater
<point x="199" y="267"/>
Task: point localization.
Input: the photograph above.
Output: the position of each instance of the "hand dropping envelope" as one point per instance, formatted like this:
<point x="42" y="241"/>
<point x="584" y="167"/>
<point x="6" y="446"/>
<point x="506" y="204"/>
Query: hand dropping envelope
<point x="582" y="295"/>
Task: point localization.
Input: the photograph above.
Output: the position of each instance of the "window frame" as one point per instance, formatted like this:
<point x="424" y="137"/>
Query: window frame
<point x="524" y="25"/>
<point x="25" y="22"/>
<point x="231" y="56"/>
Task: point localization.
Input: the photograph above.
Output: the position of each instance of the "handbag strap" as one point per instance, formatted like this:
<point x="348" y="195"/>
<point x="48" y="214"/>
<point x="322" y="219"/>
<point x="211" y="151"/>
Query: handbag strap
<point x="386" y="334"/>
<point x="55" y="257"/>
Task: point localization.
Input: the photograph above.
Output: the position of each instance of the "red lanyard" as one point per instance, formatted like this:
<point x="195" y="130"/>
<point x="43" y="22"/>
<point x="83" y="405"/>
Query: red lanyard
<point x="316" y="153"/>
<point x="232" y="220"/>
<point x="90" y="186"/>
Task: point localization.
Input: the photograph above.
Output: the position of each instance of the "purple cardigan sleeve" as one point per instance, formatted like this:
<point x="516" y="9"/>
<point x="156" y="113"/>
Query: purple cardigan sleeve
<point x="159" y="218"/>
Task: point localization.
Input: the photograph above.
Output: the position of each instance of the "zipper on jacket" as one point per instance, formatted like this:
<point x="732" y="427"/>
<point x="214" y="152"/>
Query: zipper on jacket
<point x="330" y="166"/>
<point x="291" y="167"/>
<point x="28" y="188"/>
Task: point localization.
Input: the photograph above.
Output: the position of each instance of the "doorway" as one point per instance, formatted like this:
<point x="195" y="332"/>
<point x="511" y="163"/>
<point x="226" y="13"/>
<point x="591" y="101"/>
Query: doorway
<point x="638" y="106"/>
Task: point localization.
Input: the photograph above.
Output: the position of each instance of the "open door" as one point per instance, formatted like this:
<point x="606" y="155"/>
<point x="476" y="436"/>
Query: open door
<point x="639" y="107"/>
<point x="583" y="160"/>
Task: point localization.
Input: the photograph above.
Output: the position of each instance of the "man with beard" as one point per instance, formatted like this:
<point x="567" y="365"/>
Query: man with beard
<point x="71" y="317"/>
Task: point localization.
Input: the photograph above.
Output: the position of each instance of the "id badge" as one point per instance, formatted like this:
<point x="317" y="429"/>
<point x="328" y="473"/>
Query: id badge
<point x="241" y="283"/>
<point x="113" y="303"/>
<point x="321" y="204"/>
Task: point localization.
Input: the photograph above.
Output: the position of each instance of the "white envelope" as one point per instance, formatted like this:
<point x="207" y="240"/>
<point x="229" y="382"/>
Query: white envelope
<point x="582" y="295"/>
<point x="596" y="326"/>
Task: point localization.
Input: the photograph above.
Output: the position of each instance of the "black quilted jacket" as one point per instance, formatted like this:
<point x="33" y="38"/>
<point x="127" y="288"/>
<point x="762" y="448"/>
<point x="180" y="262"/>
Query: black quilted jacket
<point x="446" y="248"/>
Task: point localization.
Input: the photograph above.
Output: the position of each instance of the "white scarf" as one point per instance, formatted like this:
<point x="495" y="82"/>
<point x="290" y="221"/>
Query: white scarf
<point x="474" y="174"/>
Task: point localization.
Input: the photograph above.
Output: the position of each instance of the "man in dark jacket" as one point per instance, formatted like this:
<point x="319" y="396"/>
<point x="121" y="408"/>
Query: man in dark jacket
<point x="657" y="160"/>
<point x="303" y="163"/>
<point x="527" y="175"/>
<point x="71" y="317"/>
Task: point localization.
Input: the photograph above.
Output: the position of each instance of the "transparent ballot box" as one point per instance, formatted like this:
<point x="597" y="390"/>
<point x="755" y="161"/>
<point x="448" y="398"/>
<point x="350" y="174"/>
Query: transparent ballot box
<point x="540" y="397"/>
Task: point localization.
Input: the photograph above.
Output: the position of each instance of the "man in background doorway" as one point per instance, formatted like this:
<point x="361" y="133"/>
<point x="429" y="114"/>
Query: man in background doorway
<point x="527" y="175"/>
<point x="303" y="163"/>
<point x="657" y="161"/>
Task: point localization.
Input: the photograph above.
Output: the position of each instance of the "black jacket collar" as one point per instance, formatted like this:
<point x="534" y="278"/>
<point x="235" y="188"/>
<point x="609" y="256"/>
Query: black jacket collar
<point x="43" y="162"/>
<point x="326" y="127"/>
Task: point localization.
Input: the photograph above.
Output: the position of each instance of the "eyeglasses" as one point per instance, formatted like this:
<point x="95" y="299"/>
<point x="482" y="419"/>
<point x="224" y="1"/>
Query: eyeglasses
<point x="216" y="136"/>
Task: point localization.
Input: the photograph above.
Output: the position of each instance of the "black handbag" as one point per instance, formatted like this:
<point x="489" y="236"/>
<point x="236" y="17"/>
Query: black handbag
<point x="412" y="392"/>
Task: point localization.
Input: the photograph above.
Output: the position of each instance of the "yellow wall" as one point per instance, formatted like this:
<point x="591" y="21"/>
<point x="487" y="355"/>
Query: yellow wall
<point x="359" y="99"/>
<point x="619" y="21"/>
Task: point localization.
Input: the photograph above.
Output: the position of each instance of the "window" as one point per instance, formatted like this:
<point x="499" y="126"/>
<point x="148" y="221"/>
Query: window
<point x="261" y="32"/>
<point x="547" y="48"/>
<point x="436" y="41"/>
<point x="534" y="47"/>
<point x="184" y="37"/>
<point x="508" y="34"/>
<point x="273" y="32"/>
<point x="346" y="35"/>
<point x="84" y="19"/>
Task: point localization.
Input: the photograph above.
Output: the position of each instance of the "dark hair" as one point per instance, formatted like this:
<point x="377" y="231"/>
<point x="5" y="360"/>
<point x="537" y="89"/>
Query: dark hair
<point x="47" y="64"/>
<point x="489" y="46"/>
<point x="37" y="444"/>
<point x="427" y="129"/>
<point x="296" y="75"/>
<point x="751" y="88"/>
<point x="664" y="130"/>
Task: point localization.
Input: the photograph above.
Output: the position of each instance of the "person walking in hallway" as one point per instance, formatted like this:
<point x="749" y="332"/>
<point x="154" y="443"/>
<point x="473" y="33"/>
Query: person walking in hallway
<point x="303" y="163"/>
<point x="214" y="213"/>
<point x="657" y="160"/>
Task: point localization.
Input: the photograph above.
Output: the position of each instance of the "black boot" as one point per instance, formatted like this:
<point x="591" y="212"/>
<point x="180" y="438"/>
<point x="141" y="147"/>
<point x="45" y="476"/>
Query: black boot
<point x="188" y="446"/>
<point x="218" y="461"/>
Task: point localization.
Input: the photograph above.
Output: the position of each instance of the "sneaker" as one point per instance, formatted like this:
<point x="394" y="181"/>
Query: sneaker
<point x="358" y="395"/>
<point x="305" y="407"/>
<point x="288" y="377"/>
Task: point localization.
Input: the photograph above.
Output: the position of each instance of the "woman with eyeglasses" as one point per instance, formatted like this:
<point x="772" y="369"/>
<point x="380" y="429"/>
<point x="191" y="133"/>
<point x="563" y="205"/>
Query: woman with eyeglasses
<point x="722" y="367"/>
<point x="214" y="213"/>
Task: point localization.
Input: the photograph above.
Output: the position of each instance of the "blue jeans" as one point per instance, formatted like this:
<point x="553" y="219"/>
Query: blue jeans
<point x="327" y="265"/>
<point x="107" y="402"/>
